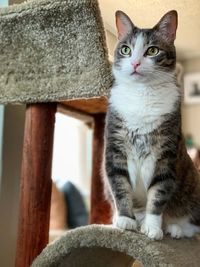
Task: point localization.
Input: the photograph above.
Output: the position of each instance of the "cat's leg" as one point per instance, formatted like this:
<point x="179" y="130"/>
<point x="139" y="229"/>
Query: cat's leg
<point x="118" y="177"/>
<point x="124" y="217"/>
<point x="158" y="195"/>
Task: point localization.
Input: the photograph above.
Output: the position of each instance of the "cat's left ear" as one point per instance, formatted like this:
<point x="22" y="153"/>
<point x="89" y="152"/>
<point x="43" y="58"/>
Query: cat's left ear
<point x="167" y="25"/>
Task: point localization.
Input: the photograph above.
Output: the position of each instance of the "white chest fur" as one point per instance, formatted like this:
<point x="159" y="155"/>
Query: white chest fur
<point x="142" y="106"/>
<point x="141" y="173"/>
<point x="142" y="109"/>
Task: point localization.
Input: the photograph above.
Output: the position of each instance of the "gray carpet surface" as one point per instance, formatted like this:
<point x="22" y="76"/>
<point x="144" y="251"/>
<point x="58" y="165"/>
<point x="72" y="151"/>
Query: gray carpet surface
<point x="165" y="253"/>
<point x="52" y="50"/>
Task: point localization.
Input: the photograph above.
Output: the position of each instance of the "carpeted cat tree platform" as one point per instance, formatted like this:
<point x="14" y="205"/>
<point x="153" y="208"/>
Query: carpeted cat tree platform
<point x="104" y="246"/>
<point x="52" y="52"/>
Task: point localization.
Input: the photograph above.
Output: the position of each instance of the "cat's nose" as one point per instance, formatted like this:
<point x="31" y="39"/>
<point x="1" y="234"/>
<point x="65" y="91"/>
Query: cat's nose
<point x="136" y="64"/>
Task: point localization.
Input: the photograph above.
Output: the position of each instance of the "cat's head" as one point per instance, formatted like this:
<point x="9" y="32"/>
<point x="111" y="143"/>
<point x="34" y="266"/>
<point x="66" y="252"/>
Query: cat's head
<point x="145" y="55"/>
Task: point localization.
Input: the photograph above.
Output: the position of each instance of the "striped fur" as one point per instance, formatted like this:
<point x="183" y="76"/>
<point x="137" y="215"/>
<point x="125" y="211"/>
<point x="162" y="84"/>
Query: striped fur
<point x="151" y="178"/>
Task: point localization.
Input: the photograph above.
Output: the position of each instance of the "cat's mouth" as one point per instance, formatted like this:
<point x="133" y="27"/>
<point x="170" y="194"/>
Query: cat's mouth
<point x="135" y="73"/>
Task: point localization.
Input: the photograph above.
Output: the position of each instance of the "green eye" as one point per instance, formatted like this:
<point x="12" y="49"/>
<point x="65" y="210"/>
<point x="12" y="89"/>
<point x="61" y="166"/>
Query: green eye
<point x="125" y="50"/>
<point x="152" y="51"/>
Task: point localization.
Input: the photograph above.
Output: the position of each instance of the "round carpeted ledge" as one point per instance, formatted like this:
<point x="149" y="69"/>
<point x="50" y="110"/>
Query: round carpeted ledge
<point x="52" y="50"/>
<point x="105" y="246"/>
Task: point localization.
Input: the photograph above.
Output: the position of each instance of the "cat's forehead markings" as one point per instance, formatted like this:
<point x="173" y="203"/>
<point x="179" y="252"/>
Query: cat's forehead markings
<point x="139" y="44"/>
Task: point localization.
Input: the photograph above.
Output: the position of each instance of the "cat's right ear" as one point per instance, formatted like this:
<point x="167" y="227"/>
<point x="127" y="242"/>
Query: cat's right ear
<point x="124" y="24"/>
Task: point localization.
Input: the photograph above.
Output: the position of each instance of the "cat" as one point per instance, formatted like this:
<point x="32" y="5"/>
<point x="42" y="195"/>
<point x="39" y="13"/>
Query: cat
<point x="152" y="180"/>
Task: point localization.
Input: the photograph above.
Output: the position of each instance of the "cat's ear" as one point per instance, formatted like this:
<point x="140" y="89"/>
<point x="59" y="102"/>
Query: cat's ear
<point x="123" y="23"/>
<point x="167" y="26"/>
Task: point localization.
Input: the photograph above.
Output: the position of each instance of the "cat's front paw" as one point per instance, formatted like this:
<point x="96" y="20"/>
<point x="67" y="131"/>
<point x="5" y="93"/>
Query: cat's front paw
<point x="125" y="223"/>
<point x="174" y="230"/>
<point x="153" y="232"/>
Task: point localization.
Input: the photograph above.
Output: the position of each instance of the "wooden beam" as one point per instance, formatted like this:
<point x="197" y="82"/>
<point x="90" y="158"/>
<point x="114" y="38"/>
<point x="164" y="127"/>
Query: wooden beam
<point x="12" y="2"/>
<point x="76" y="114"/>
<point x="33" y="229"/>
<point x="93" y="106"/>
<point x="100" y="207"/>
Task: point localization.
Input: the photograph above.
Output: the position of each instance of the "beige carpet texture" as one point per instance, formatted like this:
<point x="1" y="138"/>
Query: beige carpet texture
<point x="104" y="246"/>
<point x="52" y="50"/>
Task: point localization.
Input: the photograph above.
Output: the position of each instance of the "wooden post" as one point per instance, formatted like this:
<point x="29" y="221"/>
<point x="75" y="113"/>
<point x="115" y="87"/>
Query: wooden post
<point x="33" y="229"/>
<point x="100" y="208"/>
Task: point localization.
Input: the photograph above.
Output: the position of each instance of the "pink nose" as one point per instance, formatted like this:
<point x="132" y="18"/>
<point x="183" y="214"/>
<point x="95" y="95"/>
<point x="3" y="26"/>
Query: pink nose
<point x="136" y="64"/>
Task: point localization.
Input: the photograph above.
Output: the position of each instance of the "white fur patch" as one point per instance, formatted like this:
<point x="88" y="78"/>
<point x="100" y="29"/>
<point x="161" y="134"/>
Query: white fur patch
<point x="174" y="230"/>
<point x="124" y="223"/>
<point x="138" y="50"/>
<point x="142" y="106"/>
<point x="138" y="185"/>
<point x="151" y="226"/>
<point x="147" y="169"/>
<point x="178" y="228"/>
<point x="140" y="172"/>
<point x="189" y="230"/>
<point x="132" y="170"/>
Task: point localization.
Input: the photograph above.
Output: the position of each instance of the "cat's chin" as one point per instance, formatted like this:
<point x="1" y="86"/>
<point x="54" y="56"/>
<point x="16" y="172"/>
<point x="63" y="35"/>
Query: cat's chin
<point x="143" y="79"/>
<point x="136" y="77"/>
<point x="139" y="78"/>
<point x="130" y="78"/>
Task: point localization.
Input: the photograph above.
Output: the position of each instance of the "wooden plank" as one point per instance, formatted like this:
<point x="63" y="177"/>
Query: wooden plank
<point x="76" y="114"/>
<point x="100" y="208"/>
<point x="90" y="106"/>
<point x="11" y="2"/>
<point x="36" y="182"/>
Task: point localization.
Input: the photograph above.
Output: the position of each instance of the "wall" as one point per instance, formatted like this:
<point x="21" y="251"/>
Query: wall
<point x="72" y="152"/>
<point x="111" y="43"/>
<point x="191" y="113"/>
<point x="1" y="136"/>
<point x="13" y="129"/>
<point x="3" y="3"/>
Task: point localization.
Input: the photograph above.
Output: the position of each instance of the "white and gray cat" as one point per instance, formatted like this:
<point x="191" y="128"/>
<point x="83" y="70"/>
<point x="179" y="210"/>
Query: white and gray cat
<point x="152" y="180"/>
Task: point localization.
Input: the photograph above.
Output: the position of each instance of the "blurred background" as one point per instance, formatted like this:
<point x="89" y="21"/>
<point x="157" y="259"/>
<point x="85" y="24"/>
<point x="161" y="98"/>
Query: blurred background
<point x="72" y="157"/>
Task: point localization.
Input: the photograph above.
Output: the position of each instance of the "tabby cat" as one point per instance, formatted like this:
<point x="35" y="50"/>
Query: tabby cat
<point x="152" y="180"/>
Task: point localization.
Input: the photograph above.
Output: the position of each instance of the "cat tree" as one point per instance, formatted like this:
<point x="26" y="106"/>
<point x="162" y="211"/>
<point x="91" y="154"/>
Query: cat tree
<point x="104" y="246"/>
<point x="53" y="52"/>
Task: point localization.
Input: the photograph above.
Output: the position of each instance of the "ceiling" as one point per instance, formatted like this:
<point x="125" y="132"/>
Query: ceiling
<point x="146" y="13"/>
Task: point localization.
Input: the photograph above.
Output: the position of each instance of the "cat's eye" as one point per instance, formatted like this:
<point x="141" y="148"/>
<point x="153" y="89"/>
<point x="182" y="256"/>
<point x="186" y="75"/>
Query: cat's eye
<point x="125" y="50"/>
<point x="152" y="51"/>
